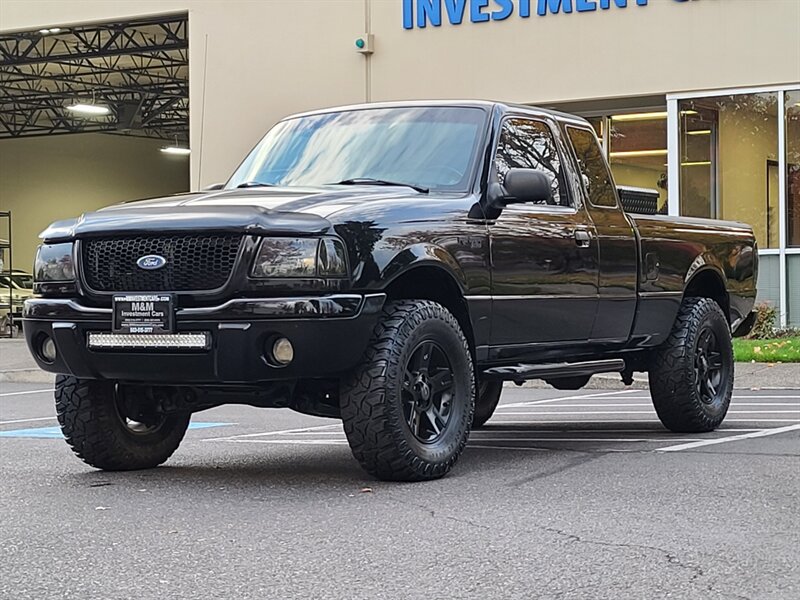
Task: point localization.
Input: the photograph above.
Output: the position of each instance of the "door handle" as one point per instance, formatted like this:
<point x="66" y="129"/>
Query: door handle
<point x="583" y="238"/>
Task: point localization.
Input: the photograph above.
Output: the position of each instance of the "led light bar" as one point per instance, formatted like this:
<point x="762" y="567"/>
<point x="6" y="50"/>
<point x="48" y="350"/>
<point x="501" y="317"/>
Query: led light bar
<point x="192" y="341"/>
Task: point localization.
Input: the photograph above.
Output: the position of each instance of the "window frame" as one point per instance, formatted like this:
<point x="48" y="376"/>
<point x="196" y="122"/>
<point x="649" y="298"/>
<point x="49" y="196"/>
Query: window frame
<point x="576" y="161"/>
<point x="569" y="188"/>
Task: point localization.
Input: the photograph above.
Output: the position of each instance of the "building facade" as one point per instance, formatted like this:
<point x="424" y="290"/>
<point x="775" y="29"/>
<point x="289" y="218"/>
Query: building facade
<point x="698" y="99"/>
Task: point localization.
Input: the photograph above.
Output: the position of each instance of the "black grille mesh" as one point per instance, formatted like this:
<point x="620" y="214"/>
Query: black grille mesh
<point x="194" y="262"/>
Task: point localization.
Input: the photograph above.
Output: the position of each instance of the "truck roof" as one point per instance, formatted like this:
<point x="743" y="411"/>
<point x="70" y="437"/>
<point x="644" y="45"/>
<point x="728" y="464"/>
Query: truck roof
<point x="484" y="104"/>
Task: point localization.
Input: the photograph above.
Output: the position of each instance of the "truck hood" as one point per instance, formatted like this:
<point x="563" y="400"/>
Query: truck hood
<point x="259" y="211"/>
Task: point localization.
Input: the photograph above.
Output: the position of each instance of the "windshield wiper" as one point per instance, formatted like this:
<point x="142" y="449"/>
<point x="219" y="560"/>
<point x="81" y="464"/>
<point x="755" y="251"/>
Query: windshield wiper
<point x="249" y="184"/>
<point x="370" y="181"/>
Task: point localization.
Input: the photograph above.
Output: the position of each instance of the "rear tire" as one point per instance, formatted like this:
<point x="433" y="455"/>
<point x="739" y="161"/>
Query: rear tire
<point x="95" y="425"/>
<point x="486" y="402"/>
<point x="691" y="380"/>
<point x="407" y="408"/>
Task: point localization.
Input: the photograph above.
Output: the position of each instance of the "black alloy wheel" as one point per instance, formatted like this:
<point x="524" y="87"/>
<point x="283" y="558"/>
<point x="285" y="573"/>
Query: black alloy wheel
<point x="691" y="373"/>
<point x="427" y="392"/>
<point x="408" y="405"/>
<point x="708" y="367"/>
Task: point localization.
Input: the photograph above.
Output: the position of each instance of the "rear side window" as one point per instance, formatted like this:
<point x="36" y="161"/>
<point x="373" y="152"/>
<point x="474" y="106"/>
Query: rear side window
<point x="528" y="144"/>
<point x="596" y="178"/>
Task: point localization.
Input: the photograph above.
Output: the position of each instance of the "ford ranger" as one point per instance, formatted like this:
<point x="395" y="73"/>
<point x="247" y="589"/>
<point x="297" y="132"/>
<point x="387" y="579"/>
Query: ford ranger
<point x="389" y="265"/>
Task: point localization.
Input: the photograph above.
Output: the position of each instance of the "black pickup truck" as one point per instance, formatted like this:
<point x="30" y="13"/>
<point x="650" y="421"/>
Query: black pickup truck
<point x="390" y="265"/>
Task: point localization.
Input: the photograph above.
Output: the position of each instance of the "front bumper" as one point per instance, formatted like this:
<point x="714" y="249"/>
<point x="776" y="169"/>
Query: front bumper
<point x="329" y="335"/>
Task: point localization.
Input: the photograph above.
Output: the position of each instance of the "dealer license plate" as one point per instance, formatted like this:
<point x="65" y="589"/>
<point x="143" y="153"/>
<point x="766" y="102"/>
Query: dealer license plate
<point x="143" y="313"/>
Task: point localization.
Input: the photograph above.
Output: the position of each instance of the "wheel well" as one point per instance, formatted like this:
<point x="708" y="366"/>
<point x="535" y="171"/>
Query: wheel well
<point x="434" y="283"/>
<point x="708" y="284"/>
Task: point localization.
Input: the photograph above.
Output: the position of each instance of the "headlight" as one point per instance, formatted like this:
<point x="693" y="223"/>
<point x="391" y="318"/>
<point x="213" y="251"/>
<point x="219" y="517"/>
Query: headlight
<point x="300" y="257"/>
<point x="54" y="263"/>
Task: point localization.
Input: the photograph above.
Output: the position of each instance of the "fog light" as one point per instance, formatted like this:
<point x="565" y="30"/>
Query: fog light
<point x="48" y="349"/>
<point x="282" y="351"/>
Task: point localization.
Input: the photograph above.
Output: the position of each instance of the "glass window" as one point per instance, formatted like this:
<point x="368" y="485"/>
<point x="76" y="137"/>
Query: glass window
<point x="596" y="178"/>
<point x="527" y="144"/>
<point x="431" y="147"/>
<point x="793" y="167"/>
<point x="638" y="156"/>
<point x="729" y="169"/>
<point x="597" y="124"/>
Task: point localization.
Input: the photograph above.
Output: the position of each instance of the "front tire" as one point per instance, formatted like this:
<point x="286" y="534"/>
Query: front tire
<point x="407" y="408"/>
<point x="691" y="380"/>
<point x="96" y="424"/>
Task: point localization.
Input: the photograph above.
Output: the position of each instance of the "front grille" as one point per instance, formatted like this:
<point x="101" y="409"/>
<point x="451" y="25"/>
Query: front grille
<point x="193" y="262"/>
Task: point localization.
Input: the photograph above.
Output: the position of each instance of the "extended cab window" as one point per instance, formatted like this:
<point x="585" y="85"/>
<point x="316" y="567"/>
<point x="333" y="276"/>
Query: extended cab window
<point x="527" y="144"/>
<point x="596" y="178"/>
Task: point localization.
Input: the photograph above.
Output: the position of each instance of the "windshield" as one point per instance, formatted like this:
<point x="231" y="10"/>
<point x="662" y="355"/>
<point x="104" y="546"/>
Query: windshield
<point x="431" y="147"/>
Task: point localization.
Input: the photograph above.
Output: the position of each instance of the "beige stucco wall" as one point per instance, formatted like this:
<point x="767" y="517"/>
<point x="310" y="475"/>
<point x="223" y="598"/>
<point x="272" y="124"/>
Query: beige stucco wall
<point x="43" y="179"/>
<point x="267" y="58"/>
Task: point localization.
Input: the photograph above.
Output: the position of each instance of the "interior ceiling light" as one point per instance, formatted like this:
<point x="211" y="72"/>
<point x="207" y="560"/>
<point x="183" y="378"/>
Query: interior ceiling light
<point x="634" y="153"/>
<point x="51" y="30"/>
<point x="699" y="132"/>
<point x="649" y="116"/>
<point x="176" y="150"/>
<point x="93" y="109"/>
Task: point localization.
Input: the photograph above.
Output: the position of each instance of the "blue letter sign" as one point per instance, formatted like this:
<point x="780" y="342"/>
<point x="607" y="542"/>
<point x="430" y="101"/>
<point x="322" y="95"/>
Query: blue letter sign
<point x="421" y="13"/>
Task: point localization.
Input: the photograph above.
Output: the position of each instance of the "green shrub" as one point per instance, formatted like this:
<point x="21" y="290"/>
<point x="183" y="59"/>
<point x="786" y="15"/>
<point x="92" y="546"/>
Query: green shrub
<point x="764" y="327"/>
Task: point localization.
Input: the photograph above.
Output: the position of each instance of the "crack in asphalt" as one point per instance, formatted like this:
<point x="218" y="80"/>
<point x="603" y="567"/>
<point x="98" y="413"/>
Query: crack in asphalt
<point x="672" y="559"/>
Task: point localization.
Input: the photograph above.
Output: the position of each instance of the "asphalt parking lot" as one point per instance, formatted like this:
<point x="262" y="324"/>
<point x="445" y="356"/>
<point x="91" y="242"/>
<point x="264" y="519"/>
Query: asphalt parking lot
<point x="562" y="495"/>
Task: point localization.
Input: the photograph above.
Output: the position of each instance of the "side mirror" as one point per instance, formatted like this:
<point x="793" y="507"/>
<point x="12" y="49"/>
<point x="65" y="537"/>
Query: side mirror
<point x="213" y="187"/>
<point x="527" y="185"/>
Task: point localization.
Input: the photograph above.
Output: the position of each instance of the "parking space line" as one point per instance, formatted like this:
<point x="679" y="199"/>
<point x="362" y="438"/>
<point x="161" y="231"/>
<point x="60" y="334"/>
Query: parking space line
<point x="289" y="442"/>
<point x="591" y="440"/>
<point x="562" y="399"/>
<point x="484" y="447"/>
<point x="736" y="397"/>
<point x="654" y="420"/>
<point x="644" y="412"/>
<point x="262" y="433"/>
<point x="6" y="394"/>
<point x="731" y="438"/>
<point x="650" y="404"/>
<point x="53" y="418"/>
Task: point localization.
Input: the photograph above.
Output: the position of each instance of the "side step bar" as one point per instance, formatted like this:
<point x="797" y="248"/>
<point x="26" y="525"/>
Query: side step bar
<point x="554" y="370"/>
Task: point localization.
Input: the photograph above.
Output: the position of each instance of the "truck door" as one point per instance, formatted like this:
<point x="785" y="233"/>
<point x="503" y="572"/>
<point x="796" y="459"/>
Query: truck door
<point x="616" y="240"/>
<point x="544" y="259"/>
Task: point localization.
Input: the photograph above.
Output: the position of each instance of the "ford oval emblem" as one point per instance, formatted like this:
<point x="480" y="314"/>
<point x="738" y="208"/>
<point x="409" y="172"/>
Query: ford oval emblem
<point x="151" y="262"/>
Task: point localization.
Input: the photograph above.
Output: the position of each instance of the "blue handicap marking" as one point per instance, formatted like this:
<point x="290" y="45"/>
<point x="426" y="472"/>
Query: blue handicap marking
<point x="55" y="432"/>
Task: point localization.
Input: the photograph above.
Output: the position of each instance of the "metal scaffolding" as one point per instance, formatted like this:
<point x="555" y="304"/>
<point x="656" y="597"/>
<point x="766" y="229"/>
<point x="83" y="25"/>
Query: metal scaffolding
<point x="138" y="68"/>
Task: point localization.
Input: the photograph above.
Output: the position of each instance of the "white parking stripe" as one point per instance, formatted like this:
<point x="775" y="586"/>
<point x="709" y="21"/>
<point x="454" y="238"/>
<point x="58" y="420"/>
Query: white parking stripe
<point x="617" y="421"/>
<point x="289" y="442"/>
<point x="534" y="413"/>
<point x="734" y="405"/>
<point x="735" y="397"/>
<point x="562" y="399"/>
<point x="732" y="438"/>
<point x="581" y="439"/>
<point x="26" y="392"/>
<point x="27" y="420"/>
<point x="262" y="433"/>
